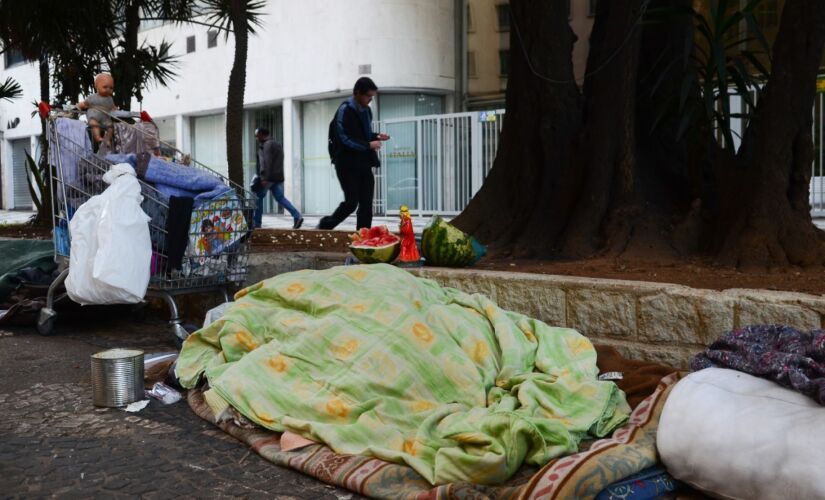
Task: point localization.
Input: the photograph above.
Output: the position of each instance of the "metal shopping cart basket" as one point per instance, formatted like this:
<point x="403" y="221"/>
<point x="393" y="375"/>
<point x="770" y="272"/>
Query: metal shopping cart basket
<point x="194" y="250"/>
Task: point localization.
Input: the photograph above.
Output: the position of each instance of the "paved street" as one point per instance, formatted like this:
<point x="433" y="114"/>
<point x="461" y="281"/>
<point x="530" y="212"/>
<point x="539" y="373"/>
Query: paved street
<point x="55" y="443"/>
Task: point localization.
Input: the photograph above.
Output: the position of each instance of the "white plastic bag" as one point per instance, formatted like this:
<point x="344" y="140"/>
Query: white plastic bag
<point x="111" y="250"/>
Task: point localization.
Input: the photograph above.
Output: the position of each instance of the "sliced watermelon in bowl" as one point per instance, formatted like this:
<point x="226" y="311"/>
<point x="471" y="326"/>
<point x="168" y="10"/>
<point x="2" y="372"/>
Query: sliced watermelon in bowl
<point x="375" y="245"/>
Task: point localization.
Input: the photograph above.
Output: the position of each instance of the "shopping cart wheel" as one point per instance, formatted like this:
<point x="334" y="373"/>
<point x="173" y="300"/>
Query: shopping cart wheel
<point x="45" y="321"/>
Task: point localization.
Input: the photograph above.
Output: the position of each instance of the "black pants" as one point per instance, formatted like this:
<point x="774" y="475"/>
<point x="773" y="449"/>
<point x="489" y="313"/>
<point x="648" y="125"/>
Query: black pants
<point x="358" y="184"/>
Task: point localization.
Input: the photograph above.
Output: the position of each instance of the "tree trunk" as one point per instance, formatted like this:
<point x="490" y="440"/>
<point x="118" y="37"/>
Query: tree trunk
<point x="235" y="97"/>
<point x="543" y="110"/>
<point x="563" y="182"/>
<point x="772" y="224"/>
<point x="126" y="73"/>
<point x="605" y="150"/>
<point x="596" y="173"/>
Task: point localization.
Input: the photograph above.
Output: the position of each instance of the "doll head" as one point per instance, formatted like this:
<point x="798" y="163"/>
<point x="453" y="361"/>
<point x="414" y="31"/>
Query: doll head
<point x="104" y="84"/>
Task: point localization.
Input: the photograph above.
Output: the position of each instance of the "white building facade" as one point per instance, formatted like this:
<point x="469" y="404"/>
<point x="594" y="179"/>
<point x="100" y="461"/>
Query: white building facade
<point x="301" y="64"/>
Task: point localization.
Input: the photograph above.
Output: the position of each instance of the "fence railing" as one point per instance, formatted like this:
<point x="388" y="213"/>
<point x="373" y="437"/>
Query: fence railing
<point x="436" y="163"/>
<point x="817" y="188"/>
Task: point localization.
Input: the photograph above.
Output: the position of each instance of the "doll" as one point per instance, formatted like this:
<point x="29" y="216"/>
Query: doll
<point x="98" y="106"/>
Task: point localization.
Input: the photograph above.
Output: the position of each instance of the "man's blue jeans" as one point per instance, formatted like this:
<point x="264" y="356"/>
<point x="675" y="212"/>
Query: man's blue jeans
<point x="278" y="193"/>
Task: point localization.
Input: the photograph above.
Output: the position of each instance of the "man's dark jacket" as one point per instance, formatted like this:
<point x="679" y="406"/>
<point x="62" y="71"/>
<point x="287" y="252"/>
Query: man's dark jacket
<point x="271" y="161"/>
<point x="354" y="127"/>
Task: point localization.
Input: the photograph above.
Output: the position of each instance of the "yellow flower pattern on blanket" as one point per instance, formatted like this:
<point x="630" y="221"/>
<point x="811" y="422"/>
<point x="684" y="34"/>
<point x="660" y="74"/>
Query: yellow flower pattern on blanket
<point x="278" y="363"/>
<point x="372" y="360"/>
<point x="337" y="408"/>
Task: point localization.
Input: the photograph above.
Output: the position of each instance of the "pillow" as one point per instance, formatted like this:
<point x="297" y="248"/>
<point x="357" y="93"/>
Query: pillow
<point x="738" y="436"/>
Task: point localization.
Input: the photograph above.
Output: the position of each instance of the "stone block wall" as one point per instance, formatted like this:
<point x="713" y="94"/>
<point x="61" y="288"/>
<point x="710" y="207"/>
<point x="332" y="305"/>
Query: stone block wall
<point x="643" y="320"/>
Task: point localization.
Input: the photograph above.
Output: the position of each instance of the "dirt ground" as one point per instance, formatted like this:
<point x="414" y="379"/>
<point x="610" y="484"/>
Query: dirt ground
<point x="696" y="273"/>
<point x="25" y="231"/>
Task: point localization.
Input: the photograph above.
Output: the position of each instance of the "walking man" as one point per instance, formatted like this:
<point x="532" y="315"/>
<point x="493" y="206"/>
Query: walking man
<point x="270" y="177"/>
<point x="356" y="154"/>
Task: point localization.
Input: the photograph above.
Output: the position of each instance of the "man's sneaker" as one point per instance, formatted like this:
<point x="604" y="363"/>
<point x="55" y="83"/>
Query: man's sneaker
<point x="298" y="223"/>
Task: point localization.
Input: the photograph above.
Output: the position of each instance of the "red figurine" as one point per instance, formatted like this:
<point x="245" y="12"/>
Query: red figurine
<point x="409" y="251"/>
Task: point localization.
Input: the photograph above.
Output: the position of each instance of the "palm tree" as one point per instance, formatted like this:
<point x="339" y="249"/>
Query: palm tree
<point x="240" y="17"/>
<point x="43" y="30"/>
<point x="36" y="30"/>
<point x="133" y="65"/>
<point x="71" y="46"/>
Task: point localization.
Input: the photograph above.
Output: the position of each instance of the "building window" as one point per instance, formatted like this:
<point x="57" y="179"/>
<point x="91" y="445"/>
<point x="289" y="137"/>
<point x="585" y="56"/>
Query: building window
<point x="471" y="64"/>
<point x="503" y="14"/>
<point x="211" y="39"/>
<point x="13" y="57"/>
<point x="190" y="44"/>
<point x="470" y="25"/>
<point x="504" y="62"/>
<point x="591" y="7"/>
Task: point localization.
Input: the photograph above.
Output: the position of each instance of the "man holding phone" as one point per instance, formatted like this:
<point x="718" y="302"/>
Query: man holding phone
<point x="357" y="154"/>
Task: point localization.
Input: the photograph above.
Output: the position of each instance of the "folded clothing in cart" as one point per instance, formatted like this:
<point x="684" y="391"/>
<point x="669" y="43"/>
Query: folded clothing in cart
<point x="172" y="179"/>
<point x="74" y="142"/>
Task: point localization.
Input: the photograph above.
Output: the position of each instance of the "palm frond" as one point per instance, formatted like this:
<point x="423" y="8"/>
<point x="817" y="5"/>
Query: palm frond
<point x="718" y="67"/>
<point x="218" y="13"/>
<point x="158" y="63"/>
<point x="10" y="89"/>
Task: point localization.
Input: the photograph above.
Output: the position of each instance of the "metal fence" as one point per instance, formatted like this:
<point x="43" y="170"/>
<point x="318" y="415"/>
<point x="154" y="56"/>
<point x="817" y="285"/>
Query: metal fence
<point x="817" y="192"/>
<point x="435" y="163"/>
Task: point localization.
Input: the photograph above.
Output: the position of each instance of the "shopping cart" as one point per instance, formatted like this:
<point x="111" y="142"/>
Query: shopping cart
<point x="216" y="240"/>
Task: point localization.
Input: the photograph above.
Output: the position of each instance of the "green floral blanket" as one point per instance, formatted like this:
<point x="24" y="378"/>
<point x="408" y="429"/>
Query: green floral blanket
<point x="374" y="361"/>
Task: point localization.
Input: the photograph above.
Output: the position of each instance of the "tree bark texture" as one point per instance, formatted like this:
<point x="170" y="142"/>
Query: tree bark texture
<point x="126" y="74"/>
<point x="235" y="97"/>
<point x="591" y="171"/>
<point x="543" y="112"/>
<point x="771" y="223"/>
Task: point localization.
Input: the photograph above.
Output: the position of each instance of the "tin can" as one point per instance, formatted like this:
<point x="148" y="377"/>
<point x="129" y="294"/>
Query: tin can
<point x="117" y="377"/>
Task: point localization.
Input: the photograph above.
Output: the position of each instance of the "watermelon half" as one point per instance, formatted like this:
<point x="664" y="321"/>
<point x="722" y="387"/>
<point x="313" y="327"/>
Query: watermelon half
<point x="443" y="244"/>
<point x="375" y="245"/>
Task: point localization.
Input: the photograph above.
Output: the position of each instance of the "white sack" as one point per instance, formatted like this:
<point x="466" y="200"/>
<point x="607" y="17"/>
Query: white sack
<point x="738" y="436"/>
<point x="111" y="250"/>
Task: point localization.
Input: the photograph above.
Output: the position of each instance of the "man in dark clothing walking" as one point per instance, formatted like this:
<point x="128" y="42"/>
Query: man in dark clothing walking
<point x="357" y="154"/>
<point x="270" y="170"/>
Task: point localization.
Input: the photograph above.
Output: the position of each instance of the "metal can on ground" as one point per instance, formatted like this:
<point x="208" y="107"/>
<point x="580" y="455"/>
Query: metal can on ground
<point x="117" y="377"/>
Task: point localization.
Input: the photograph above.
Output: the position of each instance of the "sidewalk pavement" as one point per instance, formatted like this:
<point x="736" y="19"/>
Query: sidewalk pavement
<point x="55" y="443"/>
<point x="269" y="221"/>
<point x="348" y="225"/>
<point x="14" y="216"/>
